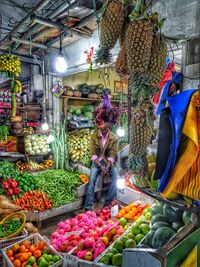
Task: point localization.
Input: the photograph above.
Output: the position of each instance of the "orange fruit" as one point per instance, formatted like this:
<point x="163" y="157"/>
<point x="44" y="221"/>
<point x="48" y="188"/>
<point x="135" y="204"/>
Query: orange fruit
<point x="32" y="248"/>
<point x="26" y="244"/>
<point x="41" y="245"/>
<point x="9" y="253"/>
<point x="17" y="263"/>
<point x="37" y="253"/>
<point x="12" y="258"/>
<point x="22" y="249"/>
<point x="24" y="257"/>
<point x="15" y="248"/>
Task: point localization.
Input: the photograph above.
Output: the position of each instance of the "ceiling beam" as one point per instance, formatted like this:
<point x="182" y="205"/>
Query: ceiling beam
<point x="37" y="8"/>
<point x="38" y="45"/>
<point x="61" y="27"/>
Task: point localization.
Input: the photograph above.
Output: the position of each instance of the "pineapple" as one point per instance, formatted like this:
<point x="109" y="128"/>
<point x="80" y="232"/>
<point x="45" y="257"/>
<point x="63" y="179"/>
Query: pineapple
<point x="121" y="62"/>
<point x="141" y="133"/>
<point x="110" y="29"/>
<point x="138" y="42"/>
<point x="157" y="60"/>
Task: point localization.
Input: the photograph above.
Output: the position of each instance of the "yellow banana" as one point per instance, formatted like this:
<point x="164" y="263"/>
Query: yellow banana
<point x="191" y="260"/>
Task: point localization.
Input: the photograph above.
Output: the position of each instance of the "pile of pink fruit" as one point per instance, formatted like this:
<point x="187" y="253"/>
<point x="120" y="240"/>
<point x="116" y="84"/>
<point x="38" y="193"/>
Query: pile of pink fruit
<point x="97" y="232"/>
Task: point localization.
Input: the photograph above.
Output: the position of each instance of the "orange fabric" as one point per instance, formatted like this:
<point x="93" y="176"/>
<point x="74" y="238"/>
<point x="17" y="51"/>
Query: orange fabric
<point x="186" y="175"/>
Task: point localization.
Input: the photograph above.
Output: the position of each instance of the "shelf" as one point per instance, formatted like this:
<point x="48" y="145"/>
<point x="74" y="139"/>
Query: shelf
<point x="179" y="203"/>
<point x="89" y="99"/>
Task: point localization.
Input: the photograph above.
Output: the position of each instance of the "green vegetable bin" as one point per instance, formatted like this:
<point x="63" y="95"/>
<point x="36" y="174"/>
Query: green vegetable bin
<point x="179" y="253"/>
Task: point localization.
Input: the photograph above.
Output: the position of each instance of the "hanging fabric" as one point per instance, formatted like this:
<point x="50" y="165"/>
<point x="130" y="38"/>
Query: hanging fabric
<point x="176" y="113"/>
<point x="185" y="178"/>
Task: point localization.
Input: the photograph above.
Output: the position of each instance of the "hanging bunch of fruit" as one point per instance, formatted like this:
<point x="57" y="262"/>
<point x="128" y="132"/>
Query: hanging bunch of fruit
<point x="11" y="66"/>
<point x="141" y="59"/>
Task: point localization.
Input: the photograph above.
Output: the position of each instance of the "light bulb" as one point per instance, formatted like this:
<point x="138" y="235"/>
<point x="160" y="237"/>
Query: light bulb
<point x="120" y="132"/>
<point x="50" y="139"/>
<point x="45" y="126"/>
<point x="120" y="183"/>
<point x="61" y="64"/>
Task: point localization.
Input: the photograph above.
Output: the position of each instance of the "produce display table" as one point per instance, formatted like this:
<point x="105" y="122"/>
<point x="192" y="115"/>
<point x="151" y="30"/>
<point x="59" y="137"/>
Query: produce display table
<point x="38" y="217"/>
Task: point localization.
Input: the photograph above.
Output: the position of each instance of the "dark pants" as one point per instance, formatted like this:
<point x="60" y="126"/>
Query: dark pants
<point x="112" y="190"/>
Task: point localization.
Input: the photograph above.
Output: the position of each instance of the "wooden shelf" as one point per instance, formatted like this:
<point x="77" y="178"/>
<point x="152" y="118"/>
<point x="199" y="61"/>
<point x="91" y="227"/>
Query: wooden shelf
<point x="89" y="99"/>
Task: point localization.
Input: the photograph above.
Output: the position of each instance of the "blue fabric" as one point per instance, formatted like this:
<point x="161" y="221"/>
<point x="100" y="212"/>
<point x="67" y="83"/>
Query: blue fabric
<point x="176" y="78"/>
<point x="112" y="190"/>
<point x="178" y="105"/>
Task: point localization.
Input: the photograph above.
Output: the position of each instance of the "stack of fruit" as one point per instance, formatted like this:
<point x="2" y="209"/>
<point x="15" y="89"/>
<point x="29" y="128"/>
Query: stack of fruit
<point x="85" y="111"/>
<point x="36" y="145"/>
<point x="11" y="187"/>
<point x="31" y="255"/>
<point x="79" y="142"/>
<point x="133" y="236"/>
<point x="132" y="211"/>
<point x="165" y="223"/>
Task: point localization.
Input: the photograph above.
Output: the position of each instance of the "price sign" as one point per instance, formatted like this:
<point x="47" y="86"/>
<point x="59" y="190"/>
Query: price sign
<point x="70" y="261"/>
<point x="114" y="210"/>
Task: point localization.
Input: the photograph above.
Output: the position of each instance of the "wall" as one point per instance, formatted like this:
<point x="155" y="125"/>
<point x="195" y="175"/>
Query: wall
<point x="94" y="78"/>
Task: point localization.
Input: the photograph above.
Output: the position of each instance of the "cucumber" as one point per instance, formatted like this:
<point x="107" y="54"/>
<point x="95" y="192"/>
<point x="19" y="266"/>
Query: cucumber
<point x="159" y="218"/>
<point x="158" y="225"/>
<point x="162" y="236"/>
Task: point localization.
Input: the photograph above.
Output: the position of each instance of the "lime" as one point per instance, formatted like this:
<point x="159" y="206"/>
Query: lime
<point x="138" y="238"/>
<point x="135" y="230"/>
<point x="56" y="258"/>
<point x="130" y="243"/>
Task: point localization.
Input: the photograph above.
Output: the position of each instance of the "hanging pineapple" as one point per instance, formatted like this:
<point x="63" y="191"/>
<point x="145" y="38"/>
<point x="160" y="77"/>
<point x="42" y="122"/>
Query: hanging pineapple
<point x="110" y="29"/>
<point x="157" y="60"/>
<point x="141" y="134"/>
<point x="139" y="37"/>
<point x="121" y="63"/>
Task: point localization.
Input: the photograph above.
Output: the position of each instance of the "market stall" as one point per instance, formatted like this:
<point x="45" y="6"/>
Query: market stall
<point x="95" y="88"/>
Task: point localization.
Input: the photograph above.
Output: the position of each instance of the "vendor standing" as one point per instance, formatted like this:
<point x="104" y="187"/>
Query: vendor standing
<point x="103" y="148"/>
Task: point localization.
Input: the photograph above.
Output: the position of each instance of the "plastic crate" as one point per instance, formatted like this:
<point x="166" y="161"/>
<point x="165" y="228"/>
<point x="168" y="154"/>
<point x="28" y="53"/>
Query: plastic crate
<point x="11" y="241"/>
<point x="35" y="238"/>
<point x="128" y="196"/>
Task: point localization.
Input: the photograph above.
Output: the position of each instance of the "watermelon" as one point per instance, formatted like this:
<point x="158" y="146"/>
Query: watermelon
<point x="149" y="238"/>
<point x="177" y="225"/>
<point x="158" y="225"/>
<point x="172" y="214"/>
<point x="186" y="217"/>
<point x="159" y="218"/>
<point x="162" y="236"/>
<point x="157" y="208"/>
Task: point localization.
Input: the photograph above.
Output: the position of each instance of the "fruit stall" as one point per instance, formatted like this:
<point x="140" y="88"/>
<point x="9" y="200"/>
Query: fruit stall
<point x="112" y="83"/>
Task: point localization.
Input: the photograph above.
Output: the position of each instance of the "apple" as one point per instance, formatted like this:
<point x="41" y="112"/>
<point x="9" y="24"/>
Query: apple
<point x="105" y="240"/>
<point x="88" y="256"/>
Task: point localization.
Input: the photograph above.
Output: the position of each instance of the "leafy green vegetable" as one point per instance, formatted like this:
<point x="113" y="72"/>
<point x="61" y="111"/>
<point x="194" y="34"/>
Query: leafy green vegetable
<point x="9" y="227"/>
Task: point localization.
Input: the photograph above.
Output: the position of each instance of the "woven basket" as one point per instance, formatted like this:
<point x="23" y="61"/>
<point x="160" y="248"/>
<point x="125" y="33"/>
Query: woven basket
<point x="16" y="215"/>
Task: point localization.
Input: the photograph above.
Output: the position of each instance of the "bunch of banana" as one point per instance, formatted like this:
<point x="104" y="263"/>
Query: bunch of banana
<point x="10" y="65"/>
<point x="34" y="166"/>
<point x="16" y="86"/>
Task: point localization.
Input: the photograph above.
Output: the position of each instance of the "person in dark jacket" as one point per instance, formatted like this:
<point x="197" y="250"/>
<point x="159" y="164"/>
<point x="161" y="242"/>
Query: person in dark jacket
<point x="103" y="149"/>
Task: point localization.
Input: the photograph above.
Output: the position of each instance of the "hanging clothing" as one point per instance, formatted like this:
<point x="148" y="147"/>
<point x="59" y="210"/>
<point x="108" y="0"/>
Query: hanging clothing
<point x="175" y="116"/>
<point x="185" y="178"/>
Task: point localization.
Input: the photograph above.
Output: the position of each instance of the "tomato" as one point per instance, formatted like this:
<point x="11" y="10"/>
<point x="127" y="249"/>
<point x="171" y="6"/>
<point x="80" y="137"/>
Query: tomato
<point x="22" y="249"/>
<point x="30" y="254"/>
<point x="17" y="263"/>
<point x="37" y="253"/>
<point x="41" y="245"/>
<point x="9" y="253"/>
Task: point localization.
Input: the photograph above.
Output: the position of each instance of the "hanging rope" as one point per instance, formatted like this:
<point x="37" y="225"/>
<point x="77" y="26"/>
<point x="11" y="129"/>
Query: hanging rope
<point x="30" y="47"/>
